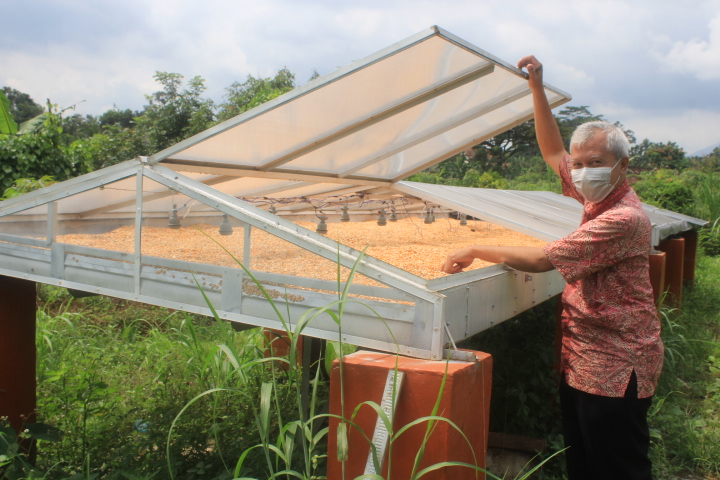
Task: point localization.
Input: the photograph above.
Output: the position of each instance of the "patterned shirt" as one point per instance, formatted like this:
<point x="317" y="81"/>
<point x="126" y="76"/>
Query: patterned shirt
<point x="610" y="324"/>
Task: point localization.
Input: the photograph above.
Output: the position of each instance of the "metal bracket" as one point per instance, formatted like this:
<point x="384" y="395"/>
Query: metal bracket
<point x="460" y="355"/>
<point x="380" y="437"/>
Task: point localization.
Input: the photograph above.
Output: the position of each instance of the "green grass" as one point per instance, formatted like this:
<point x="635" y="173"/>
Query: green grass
<point x="113" y="375"/>
<point x="686" y="415"/>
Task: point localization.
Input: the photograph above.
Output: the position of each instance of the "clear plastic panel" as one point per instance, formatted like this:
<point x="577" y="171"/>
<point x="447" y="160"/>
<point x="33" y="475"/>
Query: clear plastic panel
<point x="350" y="99"/>
<point x="399" y="131"/>
<point x="29" y="226"/>
<point x="439" y="147"/>
<point x="99" y="218"/>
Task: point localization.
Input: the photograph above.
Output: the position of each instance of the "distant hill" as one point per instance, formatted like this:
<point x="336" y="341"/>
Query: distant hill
<point x="704" y="151"/>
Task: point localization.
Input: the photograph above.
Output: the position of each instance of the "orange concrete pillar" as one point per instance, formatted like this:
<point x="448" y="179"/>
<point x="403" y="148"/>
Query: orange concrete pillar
<point x="657" y="273"/>
<point x="691" y="244"/>
<point x="675" y="250"/>
<point x="465" y="401"/>
<point x="17" y="351"/>
<point x="278" y="345"/>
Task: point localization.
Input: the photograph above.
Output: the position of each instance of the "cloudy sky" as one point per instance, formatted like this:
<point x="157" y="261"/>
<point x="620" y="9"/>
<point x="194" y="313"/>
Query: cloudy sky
<point x="653" y="65"/>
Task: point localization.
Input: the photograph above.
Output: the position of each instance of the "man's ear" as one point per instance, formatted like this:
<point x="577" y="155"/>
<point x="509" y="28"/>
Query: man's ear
<point x="624" y="164"/>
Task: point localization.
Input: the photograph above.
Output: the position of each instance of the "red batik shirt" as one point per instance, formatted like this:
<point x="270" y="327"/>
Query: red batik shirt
<point x="610" y="325"/>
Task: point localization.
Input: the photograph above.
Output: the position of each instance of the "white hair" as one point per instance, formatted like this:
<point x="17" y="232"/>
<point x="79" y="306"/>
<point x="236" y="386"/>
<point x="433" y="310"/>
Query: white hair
<point x="616" y="141"/>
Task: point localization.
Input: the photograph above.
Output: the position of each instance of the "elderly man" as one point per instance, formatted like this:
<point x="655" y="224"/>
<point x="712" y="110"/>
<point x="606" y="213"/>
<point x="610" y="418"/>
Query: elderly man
<point x="611" y="348"/>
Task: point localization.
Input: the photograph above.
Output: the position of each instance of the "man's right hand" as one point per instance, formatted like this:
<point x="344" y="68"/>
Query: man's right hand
<point x="534" y="69"/>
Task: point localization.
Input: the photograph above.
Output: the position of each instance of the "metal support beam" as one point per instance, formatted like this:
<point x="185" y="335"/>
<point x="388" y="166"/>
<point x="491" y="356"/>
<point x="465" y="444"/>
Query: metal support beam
<point x="138" y="228"/>
<point x="52" y="223"/>
<point x="227" y="169"/>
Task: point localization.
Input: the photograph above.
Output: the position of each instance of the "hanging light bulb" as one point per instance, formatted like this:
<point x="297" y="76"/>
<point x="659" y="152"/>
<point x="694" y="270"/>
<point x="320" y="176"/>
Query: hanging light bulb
<point x="225" y="227"/>
<point x="428" y="217"/>
<point x="345" y="216"/>
<point x="393" y="216"/>
<point x="463" y="219"/>
<point x="321" y="226"/>
<point x="272" y="209"/>
<point x="174" y="220"/>
<point x="382" y="221"/>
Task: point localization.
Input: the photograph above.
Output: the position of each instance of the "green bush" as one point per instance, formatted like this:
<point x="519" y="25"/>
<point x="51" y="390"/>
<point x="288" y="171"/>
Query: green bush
<point x="665" y="189"/>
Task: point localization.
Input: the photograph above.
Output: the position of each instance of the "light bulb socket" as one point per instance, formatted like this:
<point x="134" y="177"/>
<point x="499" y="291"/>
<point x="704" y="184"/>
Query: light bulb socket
<point x="174" y="220"/>
<point x="381" y="221"/>
<point x="344" y="216"/>
<point x="225" y="227"/>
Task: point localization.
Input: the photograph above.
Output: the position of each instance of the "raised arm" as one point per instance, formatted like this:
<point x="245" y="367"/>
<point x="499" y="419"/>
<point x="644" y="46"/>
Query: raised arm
<point x="546" y="129"/>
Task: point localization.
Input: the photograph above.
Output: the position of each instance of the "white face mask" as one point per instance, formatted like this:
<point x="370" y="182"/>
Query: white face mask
<point x="594" y="183"/>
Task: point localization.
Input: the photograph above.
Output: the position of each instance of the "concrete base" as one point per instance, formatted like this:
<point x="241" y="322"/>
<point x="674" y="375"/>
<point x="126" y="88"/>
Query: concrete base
<point x="465" y="401"/>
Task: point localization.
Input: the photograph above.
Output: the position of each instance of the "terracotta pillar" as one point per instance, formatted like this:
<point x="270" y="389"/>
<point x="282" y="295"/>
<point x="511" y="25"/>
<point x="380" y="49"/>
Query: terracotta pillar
<point x="465" y="401"/>
<point x="691" y="244"/>
<point x="278" y="345"/>
<point x="657" y="273"/>
<point x="17" y="351"/>
<point x="674" y="266"/>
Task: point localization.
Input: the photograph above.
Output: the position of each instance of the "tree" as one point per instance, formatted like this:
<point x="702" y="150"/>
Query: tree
<point x="22" y="106"/>
<point x="78" y="126"/>
<point x="495" y="154"/>
<point x="172" y="114"/>
<point x="121" y="118"/>
<point x="569" y="118"/>
<point x="37" y="154"/>
<point x="242" y="97"/>
<point x="653" y="155"/>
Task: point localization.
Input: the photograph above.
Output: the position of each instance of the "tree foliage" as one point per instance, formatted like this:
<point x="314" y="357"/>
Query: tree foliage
<point x="36" y="155"/>
<point x="8" y="126"/>
<point x="241" y="97"/>
<point x="22" y="106"/>
<point x="653" y="155"/>
<point x="25" y="185"/>
<point x="173" y="113"/>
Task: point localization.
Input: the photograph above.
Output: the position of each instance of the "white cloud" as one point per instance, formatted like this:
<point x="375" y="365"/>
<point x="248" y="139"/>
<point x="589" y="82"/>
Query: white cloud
<point x="698" y="57"/>
<point x="692" y="129"/>
<point x="67" y="78"/>
<point x="603" y="52"/>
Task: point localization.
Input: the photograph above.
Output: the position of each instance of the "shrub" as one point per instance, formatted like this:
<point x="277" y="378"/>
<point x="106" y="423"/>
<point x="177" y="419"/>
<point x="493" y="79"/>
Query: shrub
<point x="665" y="189"/>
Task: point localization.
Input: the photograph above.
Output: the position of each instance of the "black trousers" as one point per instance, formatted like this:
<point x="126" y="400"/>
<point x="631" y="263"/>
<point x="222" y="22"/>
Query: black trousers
<point x="608" y="438"/>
